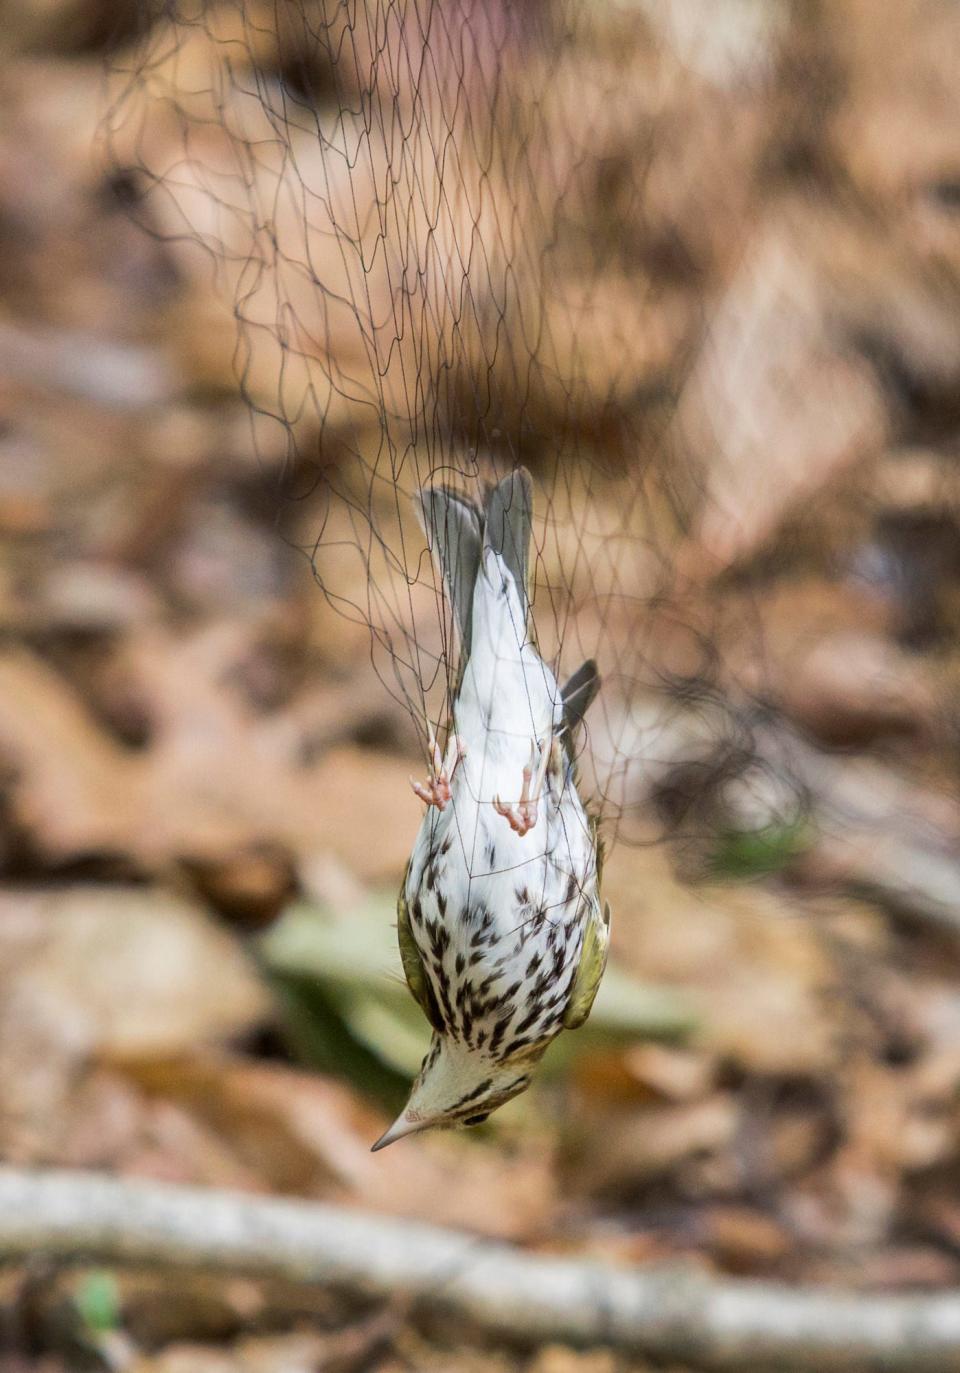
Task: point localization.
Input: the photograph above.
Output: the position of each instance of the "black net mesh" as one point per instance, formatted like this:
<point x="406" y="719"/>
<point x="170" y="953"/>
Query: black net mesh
<point x="625" y="244"/>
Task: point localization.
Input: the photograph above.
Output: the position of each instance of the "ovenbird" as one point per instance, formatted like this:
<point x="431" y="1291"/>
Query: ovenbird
<point x="502" y="934"/>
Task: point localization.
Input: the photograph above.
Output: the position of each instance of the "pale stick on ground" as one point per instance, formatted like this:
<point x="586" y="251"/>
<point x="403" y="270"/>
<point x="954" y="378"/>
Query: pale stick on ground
<point x="713" y="1323"/>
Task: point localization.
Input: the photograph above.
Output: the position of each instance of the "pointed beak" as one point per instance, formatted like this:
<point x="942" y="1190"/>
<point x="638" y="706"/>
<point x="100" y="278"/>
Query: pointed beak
<point x="403" y="1125"/>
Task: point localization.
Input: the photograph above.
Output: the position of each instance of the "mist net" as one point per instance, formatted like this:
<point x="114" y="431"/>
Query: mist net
<point x="443" y="237"/>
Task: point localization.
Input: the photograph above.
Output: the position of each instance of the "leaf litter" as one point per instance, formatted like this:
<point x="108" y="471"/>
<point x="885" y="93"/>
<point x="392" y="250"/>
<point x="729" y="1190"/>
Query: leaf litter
<point x="203" y="798"/>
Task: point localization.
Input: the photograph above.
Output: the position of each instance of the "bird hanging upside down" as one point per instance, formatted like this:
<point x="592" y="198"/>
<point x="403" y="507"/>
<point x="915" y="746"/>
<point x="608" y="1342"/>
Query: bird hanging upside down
<point x="502" y="935"/>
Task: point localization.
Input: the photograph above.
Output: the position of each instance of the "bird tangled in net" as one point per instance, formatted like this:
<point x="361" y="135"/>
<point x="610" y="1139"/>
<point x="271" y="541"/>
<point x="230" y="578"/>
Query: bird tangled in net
<point x="502" y="933"/>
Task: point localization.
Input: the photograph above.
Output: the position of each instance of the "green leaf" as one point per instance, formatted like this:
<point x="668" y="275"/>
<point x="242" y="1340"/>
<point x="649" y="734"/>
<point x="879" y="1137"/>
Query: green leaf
<point x="345" y="1006"/>
<point x="742" y="854"/>
<point x="320" y="1036"/>
<point x="627" y="1008"/>
<point x="97" y="1300"/>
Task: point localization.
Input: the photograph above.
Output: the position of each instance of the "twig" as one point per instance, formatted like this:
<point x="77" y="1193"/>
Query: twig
<point x="666" y="1313"/>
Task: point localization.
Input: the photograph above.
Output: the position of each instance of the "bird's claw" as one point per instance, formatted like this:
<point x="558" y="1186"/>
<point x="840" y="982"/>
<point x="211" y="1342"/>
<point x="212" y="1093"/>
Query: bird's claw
<point x="436" y="790"/>
<point x="523" y="816"/>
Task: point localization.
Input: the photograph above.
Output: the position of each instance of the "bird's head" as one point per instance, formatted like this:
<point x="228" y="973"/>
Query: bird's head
<point x="458" y="1085"/>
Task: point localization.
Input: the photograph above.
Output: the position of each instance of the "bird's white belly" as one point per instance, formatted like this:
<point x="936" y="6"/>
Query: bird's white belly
<point x="501" y="915"/>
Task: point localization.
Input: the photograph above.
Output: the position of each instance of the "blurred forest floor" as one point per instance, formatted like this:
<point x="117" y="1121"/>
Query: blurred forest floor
<point x="204" y="805"/>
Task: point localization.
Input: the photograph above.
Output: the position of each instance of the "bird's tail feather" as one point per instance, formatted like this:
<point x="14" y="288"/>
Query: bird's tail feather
<point x="458" y="532"/>
<point x="474" y="549"/>
<point x="508" y="524"/>
<point x="505" y="675"/>
<point x="454" y="528"/>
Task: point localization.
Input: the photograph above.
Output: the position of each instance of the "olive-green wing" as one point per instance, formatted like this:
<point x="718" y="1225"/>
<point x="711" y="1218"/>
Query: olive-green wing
<point x="593" y="960"/>
<point x="413" y="969"/>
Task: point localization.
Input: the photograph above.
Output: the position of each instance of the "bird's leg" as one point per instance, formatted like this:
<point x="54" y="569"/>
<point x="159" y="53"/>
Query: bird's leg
<point x="523" y="817"/>
<point x="530" y="802"/>
<point x="436" y="791"/>
<point x="456" y="749"/>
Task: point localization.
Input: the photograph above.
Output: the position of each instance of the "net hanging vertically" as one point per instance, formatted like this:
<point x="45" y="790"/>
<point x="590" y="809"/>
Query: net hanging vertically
<point x="440" y="237"/>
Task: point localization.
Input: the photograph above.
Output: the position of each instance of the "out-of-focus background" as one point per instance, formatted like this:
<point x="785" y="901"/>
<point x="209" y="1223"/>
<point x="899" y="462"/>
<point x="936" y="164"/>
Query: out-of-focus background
<point x="697" y="262"/>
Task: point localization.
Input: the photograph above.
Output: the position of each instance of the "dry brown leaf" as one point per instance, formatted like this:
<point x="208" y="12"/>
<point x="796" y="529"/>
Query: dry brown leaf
<point x="675" y="1073"/>
<point x="623" y="1150"/>
<point x="774" y="408"/>
<point x="98" y="970"/>
<point x="75" y="789"/>
<point x="148" y="971"/>
<point x="216" y="781"/>
<point x="744" y="1239"/>
<point x="745" y="956"/>
<point x="557" y="1358"/>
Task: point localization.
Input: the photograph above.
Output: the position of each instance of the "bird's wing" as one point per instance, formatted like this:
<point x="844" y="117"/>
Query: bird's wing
<point x="454" y="528"/>
<point x="413" y="969"/>
<point x="593" y="960"/>
<point x="577" y="693"/>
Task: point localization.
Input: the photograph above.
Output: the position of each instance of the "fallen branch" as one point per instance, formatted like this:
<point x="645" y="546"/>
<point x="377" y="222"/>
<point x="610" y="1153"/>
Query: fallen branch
<point x="666" y="1313"/>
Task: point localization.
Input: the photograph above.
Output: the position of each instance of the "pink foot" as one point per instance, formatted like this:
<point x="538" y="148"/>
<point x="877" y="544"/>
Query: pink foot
<point x="436" y="790"/>
<point x="523" y="816"/>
